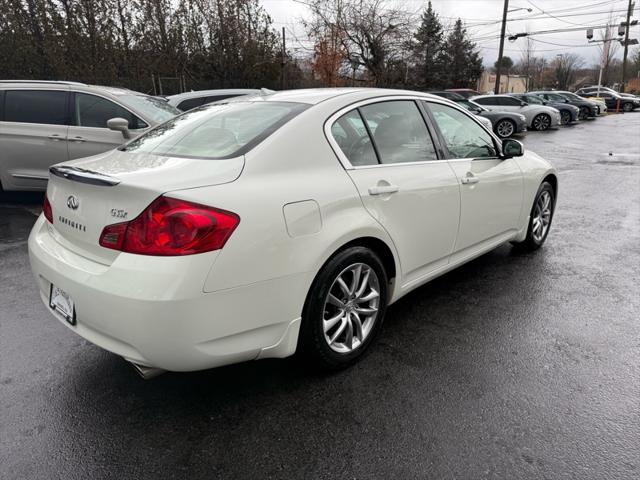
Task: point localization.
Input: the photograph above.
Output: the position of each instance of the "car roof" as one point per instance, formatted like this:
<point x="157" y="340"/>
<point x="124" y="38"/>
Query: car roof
<point x="46" y="84"/>
<point x="206" y="93"/>
<point x="314" y="96"/>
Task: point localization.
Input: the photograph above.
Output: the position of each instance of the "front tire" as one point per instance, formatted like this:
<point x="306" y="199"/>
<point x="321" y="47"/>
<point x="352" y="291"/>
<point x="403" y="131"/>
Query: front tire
<point x="565" y="117"/>
<point x="541" y="122"/>
<point x="540" y="218"/>
<point x="627" y="107"/>
<point x="344" y="309"/>
<point x="505" y="128"/>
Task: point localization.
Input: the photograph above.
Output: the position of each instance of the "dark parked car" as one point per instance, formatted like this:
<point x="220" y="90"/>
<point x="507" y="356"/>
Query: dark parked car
<point x="504" y="124"/>
<point x="568" y="112"/>
<point x="593" y="92"/>
<point x="447" y="94"/>
<point x="615" y="100"/>
<point x="588" y="109"/>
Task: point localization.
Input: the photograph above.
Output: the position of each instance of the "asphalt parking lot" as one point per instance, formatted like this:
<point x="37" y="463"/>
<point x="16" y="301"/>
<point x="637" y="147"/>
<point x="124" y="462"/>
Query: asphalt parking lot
<point x="514" y="366"/>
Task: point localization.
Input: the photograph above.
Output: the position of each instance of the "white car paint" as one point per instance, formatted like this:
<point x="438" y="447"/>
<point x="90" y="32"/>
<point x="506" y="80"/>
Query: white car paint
<point x="514" y="105"/>
<point x="299" y="201"/>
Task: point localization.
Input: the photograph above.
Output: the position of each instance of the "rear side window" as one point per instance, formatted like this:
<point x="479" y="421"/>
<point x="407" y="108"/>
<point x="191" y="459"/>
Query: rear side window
<point x="509" y="102"/>
<point x="36" y="106"/>
<point x="94" y="111"/>
<point x="216" y="131"/>
<point x="354" y="141"/>
<point x="486" y="101"/>
<point x="399" y="132"/>
<point x="190" y="103"/>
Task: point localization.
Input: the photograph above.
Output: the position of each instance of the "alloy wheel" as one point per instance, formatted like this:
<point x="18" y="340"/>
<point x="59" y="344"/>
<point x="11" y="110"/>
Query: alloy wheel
<point x="351" y="308"/>
<point x="541" y="216"/>
<point x="565" y="117"/>
<point x="541" y="122"/>
<point x="627" y="107"/>
<point x="504" y="129"/>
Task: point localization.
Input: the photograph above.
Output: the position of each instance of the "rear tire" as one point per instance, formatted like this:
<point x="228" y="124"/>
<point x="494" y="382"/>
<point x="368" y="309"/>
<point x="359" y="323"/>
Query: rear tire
<point x="342" y="316"/>
<point x="541" y="122"/>
<point x="539" y="219"/>
<point x="627" y="107"/>
<point x="565" y="117"/>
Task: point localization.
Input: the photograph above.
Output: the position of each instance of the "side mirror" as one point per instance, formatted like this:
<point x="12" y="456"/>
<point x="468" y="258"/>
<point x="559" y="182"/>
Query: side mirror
<point x="512" y="148"/>
<point x="119" y="124"/>
<point x="523" y="104"/>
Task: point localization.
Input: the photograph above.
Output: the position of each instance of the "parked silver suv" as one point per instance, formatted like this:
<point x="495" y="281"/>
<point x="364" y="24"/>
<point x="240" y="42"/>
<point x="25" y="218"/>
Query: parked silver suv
<point x="43" y="123"/>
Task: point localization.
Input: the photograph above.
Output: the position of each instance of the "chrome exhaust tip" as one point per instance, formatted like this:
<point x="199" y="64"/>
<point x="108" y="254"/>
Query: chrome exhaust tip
<point x="147" y="373"/>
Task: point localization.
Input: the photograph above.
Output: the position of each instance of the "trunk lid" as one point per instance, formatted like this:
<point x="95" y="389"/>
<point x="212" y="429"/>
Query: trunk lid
<point x="88" y="194"/>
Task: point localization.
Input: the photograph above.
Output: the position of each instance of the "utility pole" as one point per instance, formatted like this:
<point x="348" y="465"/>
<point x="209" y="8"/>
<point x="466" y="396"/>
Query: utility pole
<point x="626" y="46"/>
<point x="496" y="90"/>
<point x="282" y="63"/>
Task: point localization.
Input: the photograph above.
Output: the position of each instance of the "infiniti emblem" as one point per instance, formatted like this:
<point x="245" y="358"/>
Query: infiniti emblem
<point x="72" y="202"/>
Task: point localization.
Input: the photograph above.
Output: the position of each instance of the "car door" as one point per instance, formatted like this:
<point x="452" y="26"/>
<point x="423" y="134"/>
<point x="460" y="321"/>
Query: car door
<point x="491" y="188"/>
<point x="88" y="134"/>
<point x="404" y="183"/>
<point x="33" y="136"/>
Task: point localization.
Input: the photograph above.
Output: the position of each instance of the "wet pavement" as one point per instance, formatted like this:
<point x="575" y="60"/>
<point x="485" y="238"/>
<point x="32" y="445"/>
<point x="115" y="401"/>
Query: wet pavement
<point x="514" y="366"/>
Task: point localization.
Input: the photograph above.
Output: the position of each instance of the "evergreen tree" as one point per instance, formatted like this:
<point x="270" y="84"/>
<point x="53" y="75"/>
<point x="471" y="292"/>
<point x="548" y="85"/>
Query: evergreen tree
<point x="462" y="59"/>
<point x="428" y="69"/>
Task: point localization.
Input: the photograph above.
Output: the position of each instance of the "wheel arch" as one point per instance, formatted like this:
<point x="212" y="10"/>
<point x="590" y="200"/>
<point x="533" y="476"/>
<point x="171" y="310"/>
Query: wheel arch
<point x="382" y="247"/>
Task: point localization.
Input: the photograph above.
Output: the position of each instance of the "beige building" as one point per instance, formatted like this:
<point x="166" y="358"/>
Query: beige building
<point x="508" y="83"/>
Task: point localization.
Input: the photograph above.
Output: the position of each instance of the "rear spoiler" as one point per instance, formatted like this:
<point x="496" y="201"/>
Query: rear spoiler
<point x="82" y="175"/>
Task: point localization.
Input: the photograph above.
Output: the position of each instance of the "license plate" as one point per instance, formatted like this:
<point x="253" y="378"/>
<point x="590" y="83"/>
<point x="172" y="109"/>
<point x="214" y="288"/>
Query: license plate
<point x="62" y="303"/>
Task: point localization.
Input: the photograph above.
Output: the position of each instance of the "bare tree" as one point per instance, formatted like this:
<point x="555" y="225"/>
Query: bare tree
<point x="372" y="32"/>
<point x="565" y="67"/>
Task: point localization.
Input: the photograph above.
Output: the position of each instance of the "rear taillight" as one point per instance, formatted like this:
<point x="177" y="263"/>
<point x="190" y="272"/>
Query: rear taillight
<point x="170" y="227"/>
<point x="46" y="209"/>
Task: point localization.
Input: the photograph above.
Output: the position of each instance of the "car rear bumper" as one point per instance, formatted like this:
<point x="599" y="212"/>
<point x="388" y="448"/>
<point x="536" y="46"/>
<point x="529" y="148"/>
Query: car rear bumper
<point x="153" y="311"/>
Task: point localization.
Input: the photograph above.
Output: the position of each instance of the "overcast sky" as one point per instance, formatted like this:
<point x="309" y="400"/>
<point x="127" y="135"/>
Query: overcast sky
<point x="477" y="14"/>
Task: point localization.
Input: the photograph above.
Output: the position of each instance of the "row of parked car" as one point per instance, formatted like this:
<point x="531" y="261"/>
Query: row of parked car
<point x="540" y="110"/>
<point x="47" y="122"/>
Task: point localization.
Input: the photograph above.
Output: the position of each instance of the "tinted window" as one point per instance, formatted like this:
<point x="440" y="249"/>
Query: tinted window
<point x="533" y="100"/>
<point x="354" y="141"/>
<point x="36" y="106"/>
<point x="190" y="103"/>
<point x="510" y="102"/>
<point x="486" y="101"/>
<point x="216" y="130"/>
<point x="94" y="111"/>
<point x="215" y="98"/>
<point x="399" y="132"/>
<point x="462" y="135"/>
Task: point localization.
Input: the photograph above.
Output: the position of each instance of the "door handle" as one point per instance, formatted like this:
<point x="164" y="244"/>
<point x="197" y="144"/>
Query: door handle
<point x="469" y="179"/>
<point x="382" y="189"/>
<point x="78" y="139"/>
<point x="55" y="137"/>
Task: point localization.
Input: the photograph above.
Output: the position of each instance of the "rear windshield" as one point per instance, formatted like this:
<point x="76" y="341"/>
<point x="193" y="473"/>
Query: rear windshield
<point x="216" y="131"/>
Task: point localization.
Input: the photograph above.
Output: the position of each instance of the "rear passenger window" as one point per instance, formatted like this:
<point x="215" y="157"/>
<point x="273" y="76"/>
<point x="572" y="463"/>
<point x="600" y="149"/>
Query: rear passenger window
<point x="486" y="101"/>
<point x="36" y="106"/>
<point x="399" y="132"/>
<point x="354" y="141"/>
<point x="94" y="111"/>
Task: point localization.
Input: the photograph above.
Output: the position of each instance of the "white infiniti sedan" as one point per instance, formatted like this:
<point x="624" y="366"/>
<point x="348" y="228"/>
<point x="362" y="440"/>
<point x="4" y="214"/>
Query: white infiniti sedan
<point x="280" y="223"/>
